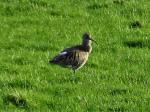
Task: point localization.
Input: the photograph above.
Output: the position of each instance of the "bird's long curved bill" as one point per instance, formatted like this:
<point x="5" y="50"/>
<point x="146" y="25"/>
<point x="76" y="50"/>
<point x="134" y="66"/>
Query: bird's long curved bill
<point x="93" y="41"/>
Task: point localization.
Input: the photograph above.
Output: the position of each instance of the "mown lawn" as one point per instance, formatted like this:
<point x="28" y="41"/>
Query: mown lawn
<point x="116" y="77"/>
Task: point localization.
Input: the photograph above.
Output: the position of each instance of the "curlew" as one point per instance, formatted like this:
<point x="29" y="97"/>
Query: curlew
<point x="75" y="57"/>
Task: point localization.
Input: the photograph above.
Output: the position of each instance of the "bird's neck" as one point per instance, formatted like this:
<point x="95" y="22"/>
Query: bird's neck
<point x="87" y="48"/>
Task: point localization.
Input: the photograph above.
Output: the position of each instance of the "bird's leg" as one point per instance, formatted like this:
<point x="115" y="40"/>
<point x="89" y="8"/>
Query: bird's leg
<point x="74" y="71"/>
<point x="73" y="76"/>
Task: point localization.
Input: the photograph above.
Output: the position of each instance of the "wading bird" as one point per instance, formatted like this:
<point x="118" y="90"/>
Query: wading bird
<point x="75" y="57"/>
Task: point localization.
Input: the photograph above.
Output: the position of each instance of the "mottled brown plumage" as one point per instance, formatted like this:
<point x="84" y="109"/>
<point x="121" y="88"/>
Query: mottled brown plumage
<point x="76" y="56"/>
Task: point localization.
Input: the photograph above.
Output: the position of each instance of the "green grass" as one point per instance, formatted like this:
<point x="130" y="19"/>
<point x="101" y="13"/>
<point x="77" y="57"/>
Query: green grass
<point x="116" y="77"/>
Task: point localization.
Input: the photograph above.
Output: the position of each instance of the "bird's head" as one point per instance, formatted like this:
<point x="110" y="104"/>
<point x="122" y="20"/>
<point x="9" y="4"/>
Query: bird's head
<point x="87" y="39"/>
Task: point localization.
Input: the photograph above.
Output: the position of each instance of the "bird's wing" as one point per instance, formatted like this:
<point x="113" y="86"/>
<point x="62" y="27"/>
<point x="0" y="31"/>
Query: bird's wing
<point x="69" y="58"/>
<point x="62" y="58"/>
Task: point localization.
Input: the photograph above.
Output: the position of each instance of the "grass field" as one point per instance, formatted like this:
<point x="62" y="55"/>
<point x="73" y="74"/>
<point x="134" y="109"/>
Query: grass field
<point x="116" y="77"/>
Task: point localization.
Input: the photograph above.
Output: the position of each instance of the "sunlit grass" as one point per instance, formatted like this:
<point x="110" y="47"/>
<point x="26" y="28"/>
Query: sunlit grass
<point x="116" y="77"/>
